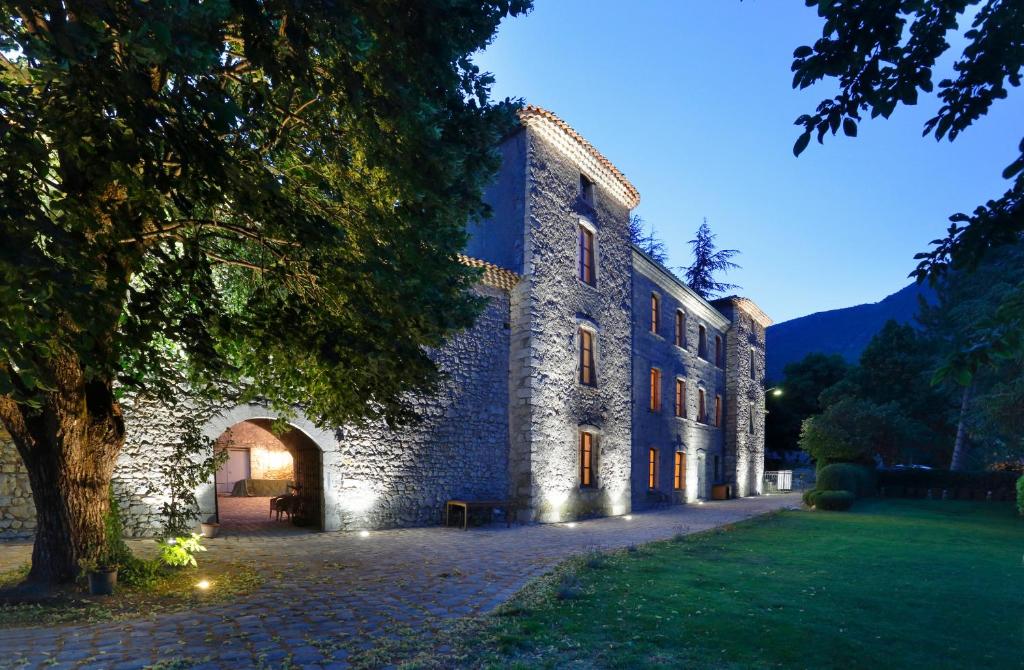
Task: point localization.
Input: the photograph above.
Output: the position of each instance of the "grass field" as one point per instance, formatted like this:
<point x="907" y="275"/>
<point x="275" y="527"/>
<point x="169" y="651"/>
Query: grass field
<point x="892" y="584"/>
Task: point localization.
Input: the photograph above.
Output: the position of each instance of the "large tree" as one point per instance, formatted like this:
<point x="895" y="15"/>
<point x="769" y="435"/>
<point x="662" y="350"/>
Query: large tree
<point x="798" y="393"/>
<point x="708" y="261"/>
<point x="270" y="195"/>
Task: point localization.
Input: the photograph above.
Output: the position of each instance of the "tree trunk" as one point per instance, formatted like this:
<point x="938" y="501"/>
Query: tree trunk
<point x="69" y="446"/>
<point x="961" y="447"/>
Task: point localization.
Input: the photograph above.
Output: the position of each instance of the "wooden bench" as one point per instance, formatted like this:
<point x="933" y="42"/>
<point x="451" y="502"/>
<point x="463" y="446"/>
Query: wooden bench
<point x="467" y="506"/>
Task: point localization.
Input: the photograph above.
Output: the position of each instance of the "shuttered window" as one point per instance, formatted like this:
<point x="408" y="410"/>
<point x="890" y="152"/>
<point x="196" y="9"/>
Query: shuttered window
<point x="586" y="459"/>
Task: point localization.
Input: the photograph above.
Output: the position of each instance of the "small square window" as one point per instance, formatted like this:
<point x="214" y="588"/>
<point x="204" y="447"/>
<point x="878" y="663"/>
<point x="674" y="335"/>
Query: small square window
<point x="587" y="190"/>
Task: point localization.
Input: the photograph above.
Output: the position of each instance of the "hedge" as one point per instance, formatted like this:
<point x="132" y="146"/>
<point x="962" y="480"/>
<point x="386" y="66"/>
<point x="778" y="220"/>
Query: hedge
<point x="1020" y="495"/>
<point x="836" y="501"/>
<point x="961" y="485"/>
<point x="810" y="496"/>
<point x="857" y="479"/>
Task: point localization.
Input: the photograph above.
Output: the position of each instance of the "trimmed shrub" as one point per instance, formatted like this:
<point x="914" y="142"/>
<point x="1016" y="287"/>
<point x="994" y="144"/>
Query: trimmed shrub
<point x="959" y="485"/>
<point x="858" y="479"/>
<point x="836" y="501"/>
<point x="810" y="497"/>
<point x="1020" y="494"/>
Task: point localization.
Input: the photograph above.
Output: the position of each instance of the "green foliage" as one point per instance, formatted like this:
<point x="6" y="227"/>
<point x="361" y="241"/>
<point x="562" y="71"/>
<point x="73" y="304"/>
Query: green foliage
<point x="981" y="481"/>
<point x="836" y="501"/>
<point x="810" y="496"/>
<point x="801" y="386"/>
<point x="854" y="430"/>
<point x="1020" y="495"/>
<point x="859" y="479"/>
<point x="883" y="54"/>
<point x="192" y="461"/>
<point x="178" y="552"/>
<point x="708" y="260"/>
<point x="266" y="194"/>
<point x="647" y="241"/>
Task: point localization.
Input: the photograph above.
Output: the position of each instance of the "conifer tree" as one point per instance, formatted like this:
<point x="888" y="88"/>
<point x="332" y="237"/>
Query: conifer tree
<point x="707" y="262"/>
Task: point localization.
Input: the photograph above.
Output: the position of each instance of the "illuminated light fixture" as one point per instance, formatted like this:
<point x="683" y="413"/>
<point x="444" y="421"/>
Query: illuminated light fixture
<point x="203" y="584"/>
<point x="628" y="517"/>
<point x="700" y="502"/>
<point x="571" y="524"/>
<point x="364" y="533"/>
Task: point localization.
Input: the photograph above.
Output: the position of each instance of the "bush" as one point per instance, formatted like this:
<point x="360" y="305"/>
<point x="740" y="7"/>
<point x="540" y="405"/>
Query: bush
<point x="810" y="497"/>
<point x="858" y="479"/>
<point x="1020" y="495"/>
<point x="835" y="501"/>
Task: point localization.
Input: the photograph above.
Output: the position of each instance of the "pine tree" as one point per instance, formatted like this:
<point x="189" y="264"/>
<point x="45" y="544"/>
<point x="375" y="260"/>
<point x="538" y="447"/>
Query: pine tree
<point x="706" y="262"/>
<point x="647" y="242"/>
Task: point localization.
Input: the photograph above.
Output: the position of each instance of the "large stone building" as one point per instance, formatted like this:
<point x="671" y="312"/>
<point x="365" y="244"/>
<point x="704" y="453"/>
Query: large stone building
<point x="595" y="382"/>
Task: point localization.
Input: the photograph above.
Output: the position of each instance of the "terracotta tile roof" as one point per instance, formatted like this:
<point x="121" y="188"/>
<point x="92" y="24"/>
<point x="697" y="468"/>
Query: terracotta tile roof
<point x="493" y="275"/>
<point x="593" y="164"/>
<point x="748" y="306"/>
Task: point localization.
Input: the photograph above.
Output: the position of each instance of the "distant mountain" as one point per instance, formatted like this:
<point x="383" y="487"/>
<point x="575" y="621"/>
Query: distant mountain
<point x="843" y="331"/>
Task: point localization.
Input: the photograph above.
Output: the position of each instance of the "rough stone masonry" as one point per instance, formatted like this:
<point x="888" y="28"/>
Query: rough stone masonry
<point x="508" y="421"/>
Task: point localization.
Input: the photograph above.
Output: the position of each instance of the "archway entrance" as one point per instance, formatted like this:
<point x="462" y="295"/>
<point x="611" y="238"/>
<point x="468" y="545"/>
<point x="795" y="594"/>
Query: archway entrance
<point x="269" y="483"/>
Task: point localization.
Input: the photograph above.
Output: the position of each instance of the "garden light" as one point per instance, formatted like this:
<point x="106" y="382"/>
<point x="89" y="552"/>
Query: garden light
<point x="571" y="524"/>
<point x="628" y="517"/>
<point x="364" y="533"/>
<point x="203" y="584"/>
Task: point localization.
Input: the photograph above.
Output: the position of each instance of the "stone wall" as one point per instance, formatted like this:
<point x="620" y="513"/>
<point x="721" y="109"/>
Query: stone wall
<point x="17" y="511"/>
<point x="269" y="458"/>
<point x="552" y="405"/>
<point x="745" y="344"/>
<point x="662" y="430"/>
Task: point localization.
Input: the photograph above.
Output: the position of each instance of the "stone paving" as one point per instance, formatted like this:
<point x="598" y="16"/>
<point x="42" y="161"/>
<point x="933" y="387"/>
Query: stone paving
<point x="326" y="593"/>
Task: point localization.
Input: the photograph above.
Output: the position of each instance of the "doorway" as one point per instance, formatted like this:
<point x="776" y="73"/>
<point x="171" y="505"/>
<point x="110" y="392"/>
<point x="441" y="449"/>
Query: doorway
<point x="238" y="466"/>
<point x="702" y="476"/>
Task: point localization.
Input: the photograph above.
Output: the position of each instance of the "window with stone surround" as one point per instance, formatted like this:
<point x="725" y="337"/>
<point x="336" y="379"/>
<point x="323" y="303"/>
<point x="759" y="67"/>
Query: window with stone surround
<point x="702" y="342"/>
<point x="719" y="353"/>
<point x="587" y="441"/>
<point x="655" y="405"/>
<point x="652" y="468"/>
<point x="753" y="363"/>
<point x="587" y="190"/>
<point x="655" y="312"/>
<point x="750" y="418"/>
<point x="587" y="269"/>
<point x="680" y="329"/>
<point x="588" y="369"/>
<point x="680" y="404"/>
<point x="718" y="411"/>
<point x="702" y="407"/>
<point x="679" y="479"/>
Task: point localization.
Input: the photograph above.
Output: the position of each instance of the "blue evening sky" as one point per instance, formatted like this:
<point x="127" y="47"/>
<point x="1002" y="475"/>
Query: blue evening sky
<point x="692" y="100"/>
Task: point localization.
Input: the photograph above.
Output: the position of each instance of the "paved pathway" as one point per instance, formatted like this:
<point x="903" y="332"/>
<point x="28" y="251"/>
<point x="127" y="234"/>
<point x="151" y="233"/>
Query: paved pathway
<point x="325" y="592"/>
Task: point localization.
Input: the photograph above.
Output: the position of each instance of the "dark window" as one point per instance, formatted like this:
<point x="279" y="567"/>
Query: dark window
<point x="750" y="419"/>
<point x="679" y="480"/>
<point x="655" y="312"/>
<point x="587" y="274"/>
<point x="652" y="468"/>
<point x="655" y="390"/>
<point x="680" y="398"/>
<point x="680" y="329"/>
<point x="586" y="459"/>
<point x="718" y="411"/>
<point x="588" y="373"/>
<point x="702" y="342"/>
<point x="587" y="190"/>
<point x="702" y="410"/>
<point x="718" y="351"/>
<point x="753" y="365"/>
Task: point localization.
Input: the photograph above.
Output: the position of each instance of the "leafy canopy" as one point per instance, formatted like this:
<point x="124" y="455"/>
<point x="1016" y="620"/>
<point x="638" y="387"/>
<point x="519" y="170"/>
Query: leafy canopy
<point x="271" y="193"/>
<point x="884" y="54"/>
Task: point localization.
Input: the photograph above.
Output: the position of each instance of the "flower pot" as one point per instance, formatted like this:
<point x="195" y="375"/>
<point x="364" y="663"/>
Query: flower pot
<point x="210" y="529"/>
<point x="102" y="582"/>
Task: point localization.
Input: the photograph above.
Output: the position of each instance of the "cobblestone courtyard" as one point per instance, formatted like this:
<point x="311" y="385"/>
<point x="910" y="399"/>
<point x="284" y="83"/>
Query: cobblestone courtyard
<point x="326" y="593"/>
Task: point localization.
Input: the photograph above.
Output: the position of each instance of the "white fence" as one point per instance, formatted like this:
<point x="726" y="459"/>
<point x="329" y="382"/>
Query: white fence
<point x="777" y="481"/>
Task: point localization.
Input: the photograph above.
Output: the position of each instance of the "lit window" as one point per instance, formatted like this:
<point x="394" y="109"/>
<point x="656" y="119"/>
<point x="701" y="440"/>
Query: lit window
<point x="680" y="328"/>
<point x="587" y="190"/>
<point x="718" y="350"/>
<point x="588" y="373"/>
<point x="586" y="459"/>
<point x="718" y="411"/>
<point x="655" y="390"/>
<point x="679" y="479"/>
<point x="702" y="410"/>
<point x="655" y="312"/>
<point x="680" y="397"/>
<point x="652" y="468"/>
<point x="702" y="342"/>
<point x="587" y="274"/>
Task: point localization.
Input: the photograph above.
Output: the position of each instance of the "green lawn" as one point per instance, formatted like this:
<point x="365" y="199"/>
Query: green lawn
<point x="891" y="584"/>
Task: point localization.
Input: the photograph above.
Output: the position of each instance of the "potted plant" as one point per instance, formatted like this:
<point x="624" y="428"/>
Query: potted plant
<point x="101" y="573"/>
<point x="210" y="527"/>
